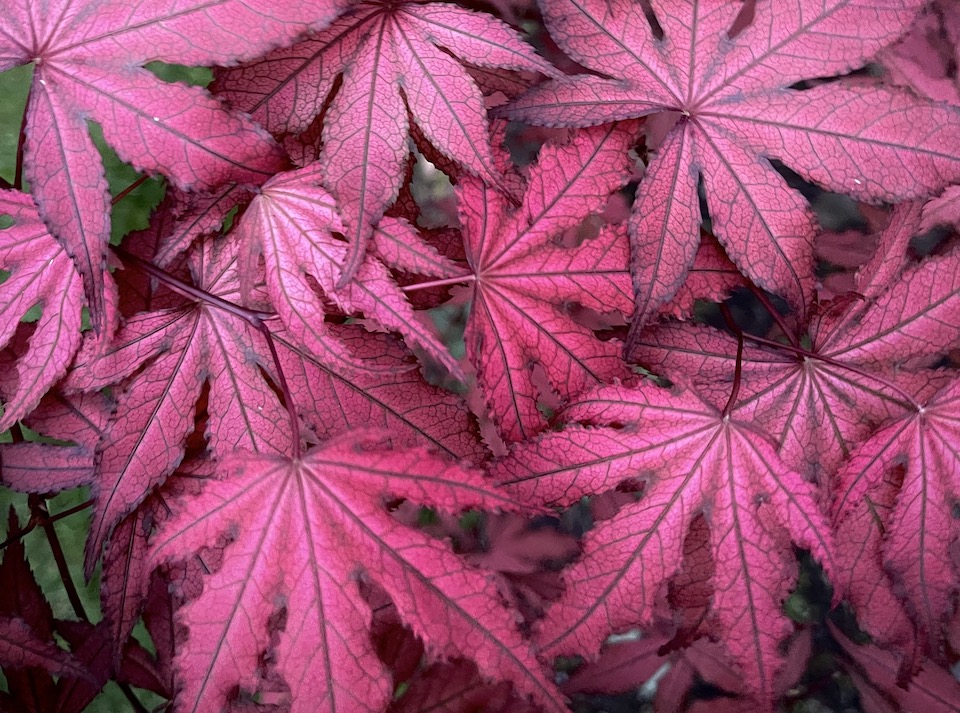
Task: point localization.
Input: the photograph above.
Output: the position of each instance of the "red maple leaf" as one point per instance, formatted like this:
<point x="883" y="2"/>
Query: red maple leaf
<point x="894" y="511"/>
<point x="291" y="221"/>
<point x="40" y="274"/>
<point x="332" y="505"/>
<point x="734" y="110"/>
<point x="391" y="57"/>
<point x="694" y="459"/>
<point x="169" y="354"/>
<point x="859" y="370"/>
<point x="88" y="59"/>
<point x="525" y="283"/>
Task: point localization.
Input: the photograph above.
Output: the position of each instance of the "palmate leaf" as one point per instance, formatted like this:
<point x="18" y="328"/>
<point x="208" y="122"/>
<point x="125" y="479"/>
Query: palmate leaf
<point x="88" y="59"/>
<point x="169" y="355"/>
<point x="693" y="460"/>
<point x="292" y="221"/>
<point x="737" y="111"/>
<point x="895" y="507"/>
<point x="331" y="504"/>
<point x="819" y="409"/>
<point x="40" y="274"/>
<point x="381" y="49"/>
<point x="524" y="282"/>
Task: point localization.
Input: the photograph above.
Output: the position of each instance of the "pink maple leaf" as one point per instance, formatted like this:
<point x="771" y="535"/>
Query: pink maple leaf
<point x="925" y="59"/>
<point x="301" y="536"/>
<point x="291" y="221"/>
<point x="694" y="459"/>
<point x="88" y="59"/>
<point x="169" y="355"/>
<point x="524" y="283"/>
<point x="861" y="365"/>
<point x="913" y="533"/>
<point x="381" y="49"/>
<point x="876" y="673"/>
<point x="733" y="112"/>
<point x="40" y="274"/>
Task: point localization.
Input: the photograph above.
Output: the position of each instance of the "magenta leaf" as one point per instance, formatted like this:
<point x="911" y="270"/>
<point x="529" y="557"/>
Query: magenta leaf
<point x="523" y="281"/>
<point x="87" y="59"/>
<point x="165" y="357"/>
<point x="379" y="49"/>
<point x="735" y="112"/>
<point x="919" y="526"/>
<point x="818" y="409"/>
<point x="694" y="460"/>
<point x="332" y="503"/>
<point x="291" y="222"/>
<point x="40" y="274"/>
<point x="387" y="395"/>
<point x="20" y="646"/>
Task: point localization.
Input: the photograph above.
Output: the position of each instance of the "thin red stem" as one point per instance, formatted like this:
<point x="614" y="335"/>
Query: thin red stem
<point x="738" y="369"/>
<point x="254" y="318"/>
<point x="440" y="283"/>
<point x="774" y="313"/>
<point x="18" y="173"/>
<point x="129" y="189"/>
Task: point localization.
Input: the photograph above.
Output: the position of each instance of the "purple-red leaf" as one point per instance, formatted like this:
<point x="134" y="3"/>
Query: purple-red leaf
<point x="168" y="355"/>
<point x="331" y="504"/>
<point x="40" y="274"/>
<point x="381" y="49"/>
<point x="734" y="110"/>
<point x="525" y="283"/>
<point x="694" y="460"/>
<point x="292" y="221"/>
<point x="87" y="59"/>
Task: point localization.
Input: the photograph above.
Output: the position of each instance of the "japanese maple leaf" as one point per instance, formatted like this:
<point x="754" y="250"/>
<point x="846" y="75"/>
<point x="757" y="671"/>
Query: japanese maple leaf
<point x="168" y="355"/>
<point x="943" y="210"/>
<point x="392" y="56"/>
<point x="916" y="528"/>
<point x="301" y="535"/>
<point x="389" y="395"/>
<point x="291" y="221"/>
<point x="925" y="59"/>
<point x="694" y="459"/>
<point x="88" y="58"/>
<point x="735" y="112"/>
<point x="524" y="283"/>
<point x="876" y="673"/>
<point x="818" y="403"/>
<point x="40" y="274"/>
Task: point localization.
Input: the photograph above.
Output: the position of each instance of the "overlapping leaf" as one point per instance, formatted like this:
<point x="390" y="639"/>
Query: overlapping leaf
<point x="819" y="403"/>
<point x="87" y="59"/>
<point x="169" y="354"/>
<point x="382" y="49"/>
<point x="291" y="221"/>
<point x="332" y="503"/>
<point x="736" y="111"/>
<point x="693" y="460"/>
<point x="895" y="507"/>
<point x="524" y="282"/>
<point x="41" y="274"/>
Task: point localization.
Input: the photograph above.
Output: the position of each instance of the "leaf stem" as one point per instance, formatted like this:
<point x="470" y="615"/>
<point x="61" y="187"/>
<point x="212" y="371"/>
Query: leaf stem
<point x="34" y="522"/>
<point x="129" y="189"/>
<point x="18" y="173"/>
<point x="738" y="369"/>
<point x="440" y="283"/>
<point x="254" y="318"/>
<point x="764" y="300"/>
